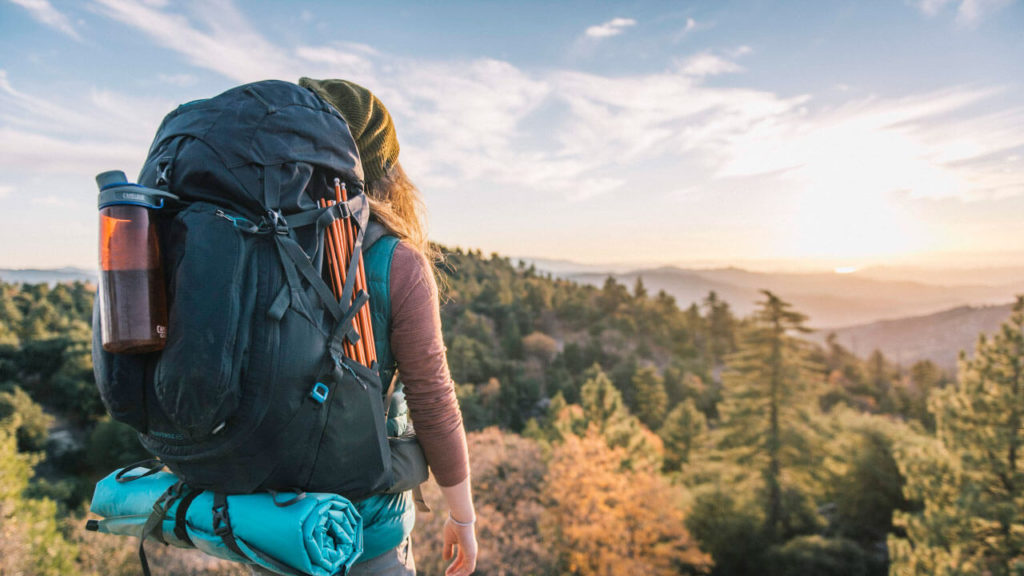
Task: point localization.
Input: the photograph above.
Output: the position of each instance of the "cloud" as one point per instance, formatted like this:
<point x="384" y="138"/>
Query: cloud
<point x="487" y="123"/>
<point x="707" y="64"/>
<point x="222" y="39"/>
<point x="968" y="12"/>
<point x="690" y="27"/>
<point x="345" y="60"/>
<point x="613" y="27"/>
<point x="926" y="146"/>
<point x="44" y="12"/>
<point x="94" y="114"/>
<point x="181" y="80"/>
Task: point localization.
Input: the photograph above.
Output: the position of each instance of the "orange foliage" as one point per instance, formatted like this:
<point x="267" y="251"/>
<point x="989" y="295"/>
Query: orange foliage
<point x="606" y="521"/>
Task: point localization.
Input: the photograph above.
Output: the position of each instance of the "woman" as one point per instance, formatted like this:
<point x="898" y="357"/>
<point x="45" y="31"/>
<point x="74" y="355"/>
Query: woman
<point x="415" y="342"/>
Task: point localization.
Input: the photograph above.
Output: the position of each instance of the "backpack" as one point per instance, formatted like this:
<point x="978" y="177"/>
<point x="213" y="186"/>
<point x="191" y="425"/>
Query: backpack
<point x="253" y="390"/>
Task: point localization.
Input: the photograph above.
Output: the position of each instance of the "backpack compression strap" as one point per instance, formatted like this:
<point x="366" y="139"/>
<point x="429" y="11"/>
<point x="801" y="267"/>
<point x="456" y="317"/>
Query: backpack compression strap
<point x="297" y="262"/>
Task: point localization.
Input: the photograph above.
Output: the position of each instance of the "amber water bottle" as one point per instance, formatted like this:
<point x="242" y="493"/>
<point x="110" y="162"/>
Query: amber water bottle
<point x="133" y="301"/>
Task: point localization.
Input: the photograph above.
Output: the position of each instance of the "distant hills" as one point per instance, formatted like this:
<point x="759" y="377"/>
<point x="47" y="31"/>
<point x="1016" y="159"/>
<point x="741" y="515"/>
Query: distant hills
<point x="909" y="314"/>
<point x="878" y="308"/>
<point x="937" y="337"/>
<point x="53" y="276"/>
<point x="829" y="299"/>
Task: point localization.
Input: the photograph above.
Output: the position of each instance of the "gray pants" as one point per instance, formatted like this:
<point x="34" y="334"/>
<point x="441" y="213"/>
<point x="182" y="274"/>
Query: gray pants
<point x="395" y="562"/>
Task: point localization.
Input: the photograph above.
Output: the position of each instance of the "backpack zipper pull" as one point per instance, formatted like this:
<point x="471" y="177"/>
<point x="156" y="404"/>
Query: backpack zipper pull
<point x="354" y="375"/>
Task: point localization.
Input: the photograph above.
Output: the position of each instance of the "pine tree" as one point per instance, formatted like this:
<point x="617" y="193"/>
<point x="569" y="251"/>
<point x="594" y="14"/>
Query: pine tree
<point x="605" y="411"/>
<point x="683" y="427"/>
<point x="970" y="479"/>
<point x="766" y="414"/>
<point x="651" y="399"/>
<point x="639" y="290"/>
<point x="721" y="327"/>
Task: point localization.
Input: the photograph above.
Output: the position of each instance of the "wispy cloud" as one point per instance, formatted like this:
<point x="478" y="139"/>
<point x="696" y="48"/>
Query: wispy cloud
<point x="707" y="64"/>
<point x="689" y="28"/>
<point x="181" y="80"/>
<point x="613" y="27"/>
<point x="485" y="122"/>
<point x="222" y="38"/>
<point x="44" y="12"/>
<point x="968" y="12"/>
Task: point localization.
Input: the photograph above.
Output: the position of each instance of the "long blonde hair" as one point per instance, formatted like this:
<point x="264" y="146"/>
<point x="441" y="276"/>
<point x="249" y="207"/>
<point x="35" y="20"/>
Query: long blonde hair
<point x="396" y="203"/>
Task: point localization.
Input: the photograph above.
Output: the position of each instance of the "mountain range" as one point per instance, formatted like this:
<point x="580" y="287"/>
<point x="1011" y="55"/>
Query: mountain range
<point x="907" y="319"/>
<point x="48" y="276"/>
<point x="937" y="337"/>
<point x="828" y="299"/>
<point x="884" y="309"/>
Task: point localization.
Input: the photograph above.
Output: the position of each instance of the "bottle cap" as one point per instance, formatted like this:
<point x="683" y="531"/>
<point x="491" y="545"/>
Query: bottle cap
<point x="115" y="189"/>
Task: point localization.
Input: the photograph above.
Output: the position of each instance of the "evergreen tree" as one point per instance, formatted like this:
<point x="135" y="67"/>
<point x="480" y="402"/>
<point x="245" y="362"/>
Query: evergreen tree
<point x="970" y="480"/>
<point x="683" y="428"/>
<point x="880" y="381"/>
<point x="651" y="399"/>
<point x="721" y="328"/>
<point x="639" y="290"/>
<point x="766" y="420"/>
<point x="30" y="541"/>
<point x="605" y="411"/>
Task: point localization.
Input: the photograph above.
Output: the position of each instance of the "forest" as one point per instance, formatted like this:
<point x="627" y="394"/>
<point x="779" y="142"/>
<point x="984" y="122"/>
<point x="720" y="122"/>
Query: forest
<point x="612" y="431"/>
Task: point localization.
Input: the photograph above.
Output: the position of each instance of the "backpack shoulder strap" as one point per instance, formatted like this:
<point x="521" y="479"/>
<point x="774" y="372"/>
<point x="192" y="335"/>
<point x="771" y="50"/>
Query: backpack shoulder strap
<point x="374" y="231"/>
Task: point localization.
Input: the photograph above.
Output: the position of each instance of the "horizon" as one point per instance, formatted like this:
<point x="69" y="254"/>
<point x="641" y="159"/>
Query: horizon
<point x="802" y="137"/>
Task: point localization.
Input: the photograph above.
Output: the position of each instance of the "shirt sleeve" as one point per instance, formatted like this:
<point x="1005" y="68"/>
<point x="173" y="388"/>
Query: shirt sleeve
<point x="419" y="350"/>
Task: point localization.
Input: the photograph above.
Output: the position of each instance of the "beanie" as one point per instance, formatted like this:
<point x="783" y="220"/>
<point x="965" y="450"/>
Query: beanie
<point x="368" y="121"/>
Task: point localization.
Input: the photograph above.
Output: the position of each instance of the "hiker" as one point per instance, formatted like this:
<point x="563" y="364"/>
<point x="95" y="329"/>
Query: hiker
<point x="415" y="338"/>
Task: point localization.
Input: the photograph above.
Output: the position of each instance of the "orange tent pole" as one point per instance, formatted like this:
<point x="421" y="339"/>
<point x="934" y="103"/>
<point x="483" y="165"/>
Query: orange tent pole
<point x="364" y="313"/>
<point x="346" y="235"/>
<point x="331" y="255"/>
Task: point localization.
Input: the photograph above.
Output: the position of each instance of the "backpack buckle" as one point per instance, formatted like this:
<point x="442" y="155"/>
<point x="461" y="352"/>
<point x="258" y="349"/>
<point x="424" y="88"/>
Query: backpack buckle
<point x="221" y="520"/>
<point x="275" y="222"/>
<point x="320" y="392"/>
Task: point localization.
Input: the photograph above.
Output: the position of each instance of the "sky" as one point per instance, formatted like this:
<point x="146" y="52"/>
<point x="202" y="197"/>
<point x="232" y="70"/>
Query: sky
<point x="799" y="134"/>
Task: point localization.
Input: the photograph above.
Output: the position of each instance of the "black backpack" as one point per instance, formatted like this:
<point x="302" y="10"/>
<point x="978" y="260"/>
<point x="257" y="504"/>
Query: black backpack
<point x="253" y="390"/>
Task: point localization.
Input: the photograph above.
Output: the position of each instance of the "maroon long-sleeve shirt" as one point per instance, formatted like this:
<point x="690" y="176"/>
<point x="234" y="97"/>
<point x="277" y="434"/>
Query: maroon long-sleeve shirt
<point x="419" y="349"/>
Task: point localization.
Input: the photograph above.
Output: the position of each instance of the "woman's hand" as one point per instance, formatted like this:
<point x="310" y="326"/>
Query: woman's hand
<point x="460" y="542"/>
<point x="460" y="529"/>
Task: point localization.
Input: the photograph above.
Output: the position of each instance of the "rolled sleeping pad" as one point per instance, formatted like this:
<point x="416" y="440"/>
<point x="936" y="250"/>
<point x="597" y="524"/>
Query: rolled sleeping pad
<point x="312" y="533"/>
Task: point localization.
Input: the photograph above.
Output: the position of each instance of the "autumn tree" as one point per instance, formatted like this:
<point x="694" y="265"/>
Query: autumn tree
<point x="969" y="480"/>
<point x="607" y="520"/>
<point x="508" y="484"/>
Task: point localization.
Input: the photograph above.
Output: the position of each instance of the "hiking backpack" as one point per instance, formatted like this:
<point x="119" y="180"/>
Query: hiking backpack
<point x="253" y="389"/>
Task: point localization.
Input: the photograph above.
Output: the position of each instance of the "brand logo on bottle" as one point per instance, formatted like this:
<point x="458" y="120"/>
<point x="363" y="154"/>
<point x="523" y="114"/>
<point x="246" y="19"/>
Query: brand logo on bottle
<point x="133" y="196"/>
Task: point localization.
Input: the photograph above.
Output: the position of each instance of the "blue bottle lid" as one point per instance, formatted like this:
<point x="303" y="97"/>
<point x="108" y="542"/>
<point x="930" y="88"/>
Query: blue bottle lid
<point x="115" y="189"/>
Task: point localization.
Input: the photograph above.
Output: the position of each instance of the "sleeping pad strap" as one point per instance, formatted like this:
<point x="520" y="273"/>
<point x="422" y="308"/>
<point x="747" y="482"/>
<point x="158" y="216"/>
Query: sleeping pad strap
<point x="222" y="528"/>
<point x="155" y="522"/>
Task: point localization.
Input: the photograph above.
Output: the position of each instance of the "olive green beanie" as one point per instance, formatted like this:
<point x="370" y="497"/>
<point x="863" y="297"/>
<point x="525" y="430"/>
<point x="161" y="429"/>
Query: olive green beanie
<point x="367" y="119"/>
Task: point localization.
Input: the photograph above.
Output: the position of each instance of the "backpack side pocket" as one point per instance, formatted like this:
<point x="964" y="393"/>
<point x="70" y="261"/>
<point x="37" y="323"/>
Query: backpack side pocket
<point x="198" y="378"/>
<point x="120" y="378"/>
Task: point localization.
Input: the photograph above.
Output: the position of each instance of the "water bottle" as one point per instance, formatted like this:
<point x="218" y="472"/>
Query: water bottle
<point x="133" y="300"/>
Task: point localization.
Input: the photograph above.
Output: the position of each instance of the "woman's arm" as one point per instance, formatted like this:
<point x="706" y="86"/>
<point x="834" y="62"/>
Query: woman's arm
<point x="418" y="347"/>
